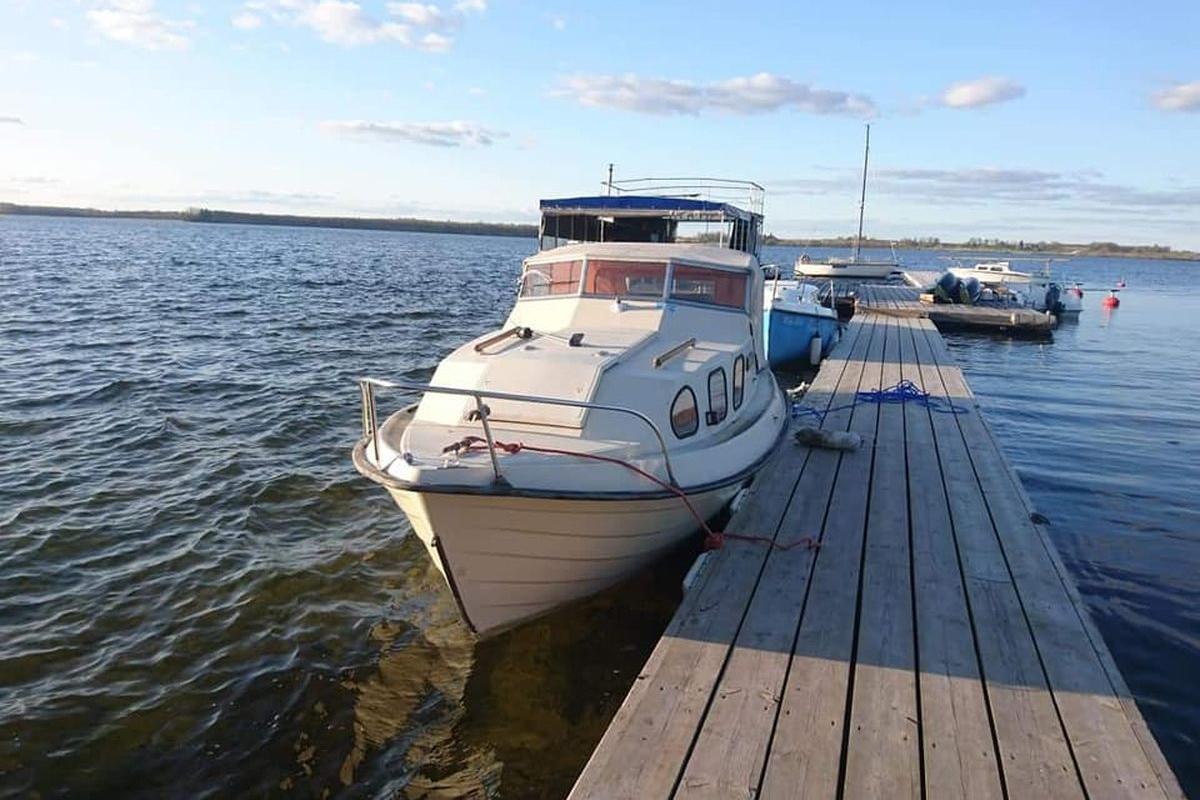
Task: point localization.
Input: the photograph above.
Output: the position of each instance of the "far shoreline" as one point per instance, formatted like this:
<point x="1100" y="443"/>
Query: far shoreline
<point x="1023" y="249"/>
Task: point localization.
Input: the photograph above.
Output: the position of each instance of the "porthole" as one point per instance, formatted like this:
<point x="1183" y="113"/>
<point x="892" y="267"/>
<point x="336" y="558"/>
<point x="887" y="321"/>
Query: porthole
<point x="718" y="399"/>
<point x="739" y="381"/>
<point x="685" y="415"/>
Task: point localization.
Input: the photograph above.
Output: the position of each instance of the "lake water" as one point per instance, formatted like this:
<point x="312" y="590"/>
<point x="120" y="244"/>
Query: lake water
<point x="199" y="595"/>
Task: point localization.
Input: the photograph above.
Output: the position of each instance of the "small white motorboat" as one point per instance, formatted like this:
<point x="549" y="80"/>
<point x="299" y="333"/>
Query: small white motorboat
<point x="990" y="273"/>
<point x="625" y="400"/>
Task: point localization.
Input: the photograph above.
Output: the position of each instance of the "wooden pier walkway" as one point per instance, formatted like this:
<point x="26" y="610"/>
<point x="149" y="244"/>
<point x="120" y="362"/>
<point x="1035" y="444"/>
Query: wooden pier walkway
<point x="903" y="301"/>
<point x="932" y="645"/>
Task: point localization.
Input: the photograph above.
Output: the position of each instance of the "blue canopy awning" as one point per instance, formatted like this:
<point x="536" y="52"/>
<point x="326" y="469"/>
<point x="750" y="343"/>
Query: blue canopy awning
<point x="619" y="205"/>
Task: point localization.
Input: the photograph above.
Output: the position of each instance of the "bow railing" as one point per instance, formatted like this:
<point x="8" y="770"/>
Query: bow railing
<point x="370" y="425"/>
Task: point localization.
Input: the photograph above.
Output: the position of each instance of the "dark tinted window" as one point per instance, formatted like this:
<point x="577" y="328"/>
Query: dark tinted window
<point x="718" y="400"/>
<point x="685" y="416"/>
<point x="739" y="381"/>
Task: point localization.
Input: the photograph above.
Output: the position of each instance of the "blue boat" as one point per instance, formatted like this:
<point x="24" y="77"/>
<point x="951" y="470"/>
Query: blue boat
<point x="793" y="318"/>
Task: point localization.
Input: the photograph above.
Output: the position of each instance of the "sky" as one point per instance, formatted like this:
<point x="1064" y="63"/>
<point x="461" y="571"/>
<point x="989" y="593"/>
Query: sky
<point x="1063" y="120"/>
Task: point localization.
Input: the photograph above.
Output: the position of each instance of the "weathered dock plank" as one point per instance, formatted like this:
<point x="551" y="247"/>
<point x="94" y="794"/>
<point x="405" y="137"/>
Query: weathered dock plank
<point x="728" y="755"/>
<point x="932" y="645"/>
<point x="1111" y="764"/>
<point x="957" y="744"/>
<point x="882" y="756"/>
<point x="805" y="754"/>
<point x="1033" y="750"/>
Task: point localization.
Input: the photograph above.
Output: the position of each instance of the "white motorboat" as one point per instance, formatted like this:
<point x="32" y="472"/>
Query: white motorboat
<point x="990" y="273"/>
<point x="625" y="400"/>
<point x="856" y="267"/>
<point x="1034" y="290"/>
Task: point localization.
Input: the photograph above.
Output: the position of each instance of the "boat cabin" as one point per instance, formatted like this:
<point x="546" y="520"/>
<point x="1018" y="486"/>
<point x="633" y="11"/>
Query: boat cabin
<point x="653" y="211"/>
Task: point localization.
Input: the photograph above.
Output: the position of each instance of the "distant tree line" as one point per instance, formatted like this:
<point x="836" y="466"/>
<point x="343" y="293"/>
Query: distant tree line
<point x="524" y="230"/>
<point x="294" y="220"/>
<point x="1001" y="246"/>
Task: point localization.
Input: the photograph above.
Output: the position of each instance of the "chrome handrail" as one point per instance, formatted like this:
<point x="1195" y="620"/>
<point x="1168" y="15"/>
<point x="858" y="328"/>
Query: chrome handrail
<point x="719" y="189"/>
<point x="663" y="358"/>
<point x="370" y="424"/>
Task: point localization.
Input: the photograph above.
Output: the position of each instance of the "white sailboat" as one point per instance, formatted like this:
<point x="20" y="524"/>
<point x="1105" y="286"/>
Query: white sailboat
<point x="854" y="267"/>
<point x="625" y="400"/>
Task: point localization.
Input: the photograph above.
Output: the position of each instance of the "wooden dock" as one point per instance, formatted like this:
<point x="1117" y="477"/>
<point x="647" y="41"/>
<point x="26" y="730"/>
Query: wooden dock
<point x="931" y="645"/>
<point x="903" y="301"/>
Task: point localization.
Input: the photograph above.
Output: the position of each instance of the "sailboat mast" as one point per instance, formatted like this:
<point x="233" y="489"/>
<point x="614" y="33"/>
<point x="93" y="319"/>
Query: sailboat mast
<point x="862" y="200"/>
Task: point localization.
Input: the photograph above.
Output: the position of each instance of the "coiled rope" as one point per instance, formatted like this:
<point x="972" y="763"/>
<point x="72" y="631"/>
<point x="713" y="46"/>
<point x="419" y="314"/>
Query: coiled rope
<point x="903" y="392"/>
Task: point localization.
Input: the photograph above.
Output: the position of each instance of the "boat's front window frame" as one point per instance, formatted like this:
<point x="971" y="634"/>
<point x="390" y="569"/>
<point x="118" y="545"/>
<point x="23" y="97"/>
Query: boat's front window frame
<point x="669" y="266"/>
<point x="590" y="263"/>
<point x="544" y="269"/>
<point x="689" y="264"/>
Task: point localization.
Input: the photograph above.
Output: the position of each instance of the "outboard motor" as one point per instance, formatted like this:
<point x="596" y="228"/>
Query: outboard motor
<point x="946" y="288"/>
<point x="970" y="291"/>
<point x="1053" y="303"/>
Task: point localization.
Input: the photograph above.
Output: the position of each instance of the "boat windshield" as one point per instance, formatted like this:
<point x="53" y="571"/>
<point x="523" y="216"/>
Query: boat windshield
<point x="712" y="286"/>
<point x="545" y="280"/>
<point x="609" y="278"/>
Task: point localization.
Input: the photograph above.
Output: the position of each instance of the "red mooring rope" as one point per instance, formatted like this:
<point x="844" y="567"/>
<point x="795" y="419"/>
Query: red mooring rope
<point x="713" y="540"/>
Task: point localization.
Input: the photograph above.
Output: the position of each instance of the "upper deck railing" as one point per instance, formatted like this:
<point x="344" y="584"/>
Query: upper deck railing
<point x="746" y="195"/>
<point x="651" y="210"/>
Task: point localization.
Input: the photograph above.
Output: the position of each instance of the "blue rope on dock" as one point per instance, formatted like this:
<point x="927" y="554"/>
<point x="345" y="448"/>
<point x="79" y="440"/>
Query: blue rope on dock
<point x="903" y="392"/>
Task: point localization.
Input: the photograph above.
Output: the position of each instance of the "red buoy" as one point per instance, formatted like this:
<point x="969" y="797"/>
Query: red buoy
<point x="1112" y="301"/>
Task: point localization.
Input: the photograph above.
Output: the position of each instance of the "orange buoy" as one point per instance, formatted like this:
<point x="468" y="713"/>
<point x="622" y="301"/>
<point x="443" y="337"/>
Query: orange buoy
<point x="1112" y="301"/>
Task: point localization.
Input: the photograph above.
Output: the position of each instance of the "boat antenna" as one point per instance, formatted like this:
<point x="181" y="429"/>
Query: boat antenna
<point x="862" y="200"/>
<point x="610" y="168"/>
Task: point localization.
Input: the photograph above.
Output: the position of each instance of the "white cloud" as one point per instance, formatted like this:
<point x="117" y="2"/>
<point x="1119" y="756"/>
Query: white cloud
<point x="981" y="92"/>
<point x="11" y="121"/>
<point x="344" y="22"/>
<point x="138" y="23"/>
<point x="1180" y="97"/>
<point x="755" y="94"/>
<point x="470" y="6"/>
<point x="436" y="42"/>
<point x="558" y="22"/>
<point x="421" y="14"/>
<point x="438" y="134"/>
<point x="246" y="21"/>
<point x="477" y="91"/>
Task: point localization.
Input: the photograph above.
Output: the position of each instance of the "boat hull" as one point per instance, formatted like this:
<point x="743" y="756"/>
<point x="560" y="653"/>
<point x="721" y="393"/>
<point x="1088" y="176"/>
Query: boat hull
<point x="847" y="271"/>
<point x="509" y="558"/>
<point x="789" y="335"/>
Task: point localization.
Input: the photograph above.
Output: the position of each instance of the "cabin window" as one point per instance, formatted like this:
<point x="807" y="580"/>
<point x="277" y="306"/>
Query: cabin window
<point x="718" y="400"/>
<point x="739" y="382"/>
<point x="685" y="415"/>
<point x="712" y="286"/>
<point x="609" y="278"/>
<point x="545" y="280"/>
